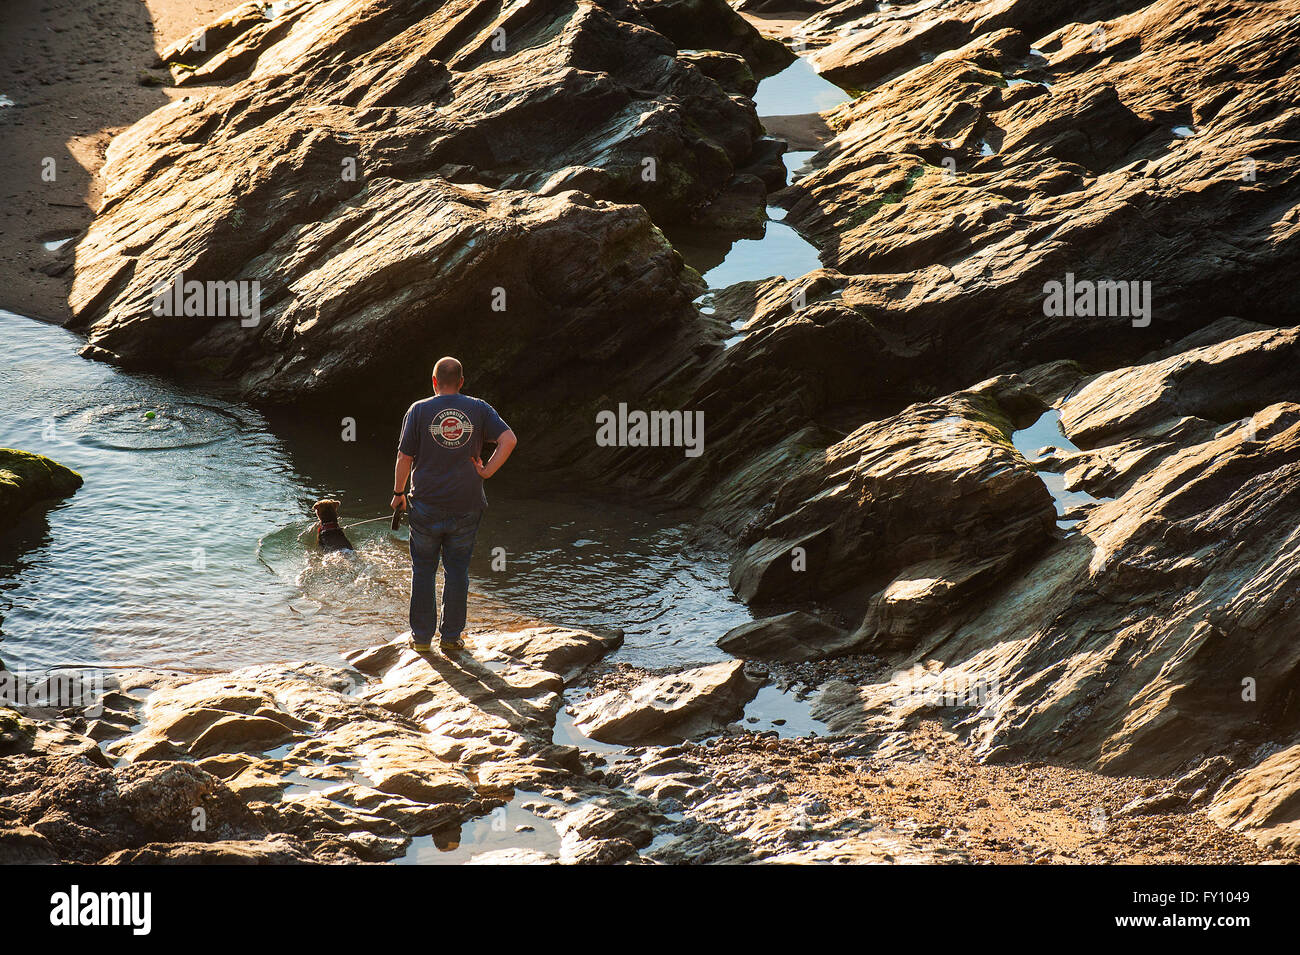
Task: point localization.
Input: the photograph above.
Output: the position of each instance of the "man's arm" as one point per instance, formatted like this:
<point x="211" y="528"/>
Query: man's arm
<point x="401" y="471"/>
<point x="505" y="444"/>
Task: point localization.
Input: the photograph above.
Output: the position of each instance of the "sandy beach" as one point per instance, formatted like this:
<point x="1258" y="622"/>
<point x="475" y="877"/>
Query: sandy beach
<point x="76" y="74"/>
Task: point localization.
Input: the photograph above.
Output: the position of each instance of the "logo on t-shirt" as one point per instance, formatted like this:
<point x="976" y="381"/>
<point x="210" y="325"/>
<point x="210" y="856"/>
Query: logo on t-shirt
<point x="451" y="428"/>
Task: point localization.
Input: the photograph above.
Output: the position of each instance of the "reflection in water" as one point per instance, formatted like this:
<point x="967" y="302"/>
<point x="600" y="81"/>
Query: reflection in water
<point x="797" y="90"/>
<point x="1047" y="432"/>
<point x="183" y="548"/>
<point x="788" y="712"/>
<point x="779" y="251"/>
<point x="516" y="825"/>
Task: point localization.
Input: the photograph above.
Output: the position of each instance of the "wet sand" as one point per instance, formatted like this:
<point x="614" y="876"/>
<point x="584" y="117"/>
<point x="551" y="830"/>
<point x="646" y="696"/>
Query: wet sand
<point x="925" y="785"/>
<point x="77" y="73"/>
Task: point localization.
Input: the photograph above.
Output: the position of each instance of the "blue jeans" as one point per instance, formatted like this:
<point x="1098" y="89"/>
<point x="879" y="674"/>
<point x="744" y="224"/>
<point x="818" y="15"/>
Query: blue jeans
<point x="435" y="534"/>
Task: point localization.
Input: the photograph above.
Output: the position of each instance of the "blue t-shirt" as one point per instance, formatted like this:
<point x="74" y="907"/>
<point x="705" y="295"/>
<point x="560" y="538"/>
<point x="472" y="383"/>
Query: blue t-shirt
<point x="442" y="433"/>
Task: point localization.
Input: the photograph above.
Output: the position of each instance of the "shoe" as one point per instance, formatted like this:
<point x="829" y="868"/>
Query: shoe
<point x="419" y="647"/>
<point x="452" y="645"/>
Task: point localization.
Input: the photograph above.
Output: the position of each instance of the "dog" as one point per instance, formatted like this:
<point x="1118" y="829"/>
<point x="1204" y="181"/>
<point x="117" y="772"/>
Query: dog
<point x="329" y="536"/>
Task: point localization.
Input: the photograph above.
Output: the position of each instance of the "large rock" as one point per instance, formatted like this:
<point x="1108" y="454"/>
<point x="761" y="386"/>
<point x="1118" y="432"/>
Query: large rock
<point x="680" y="705"/>
<point x="480" y="173"/>
<point x="1264" y="802"/>
<point x="27" y="478"/>
<point x="974" y="171"/>
<point x="789" y="636"/>
<point x="1161" y="631"/>
<point x="274" y="851"/>
<point x="83" y="811"/>
<point x="1219" y="382"/>
<point x="692" y="24"/>
<point x="23" y="735"/>
<point x="300" y="762"/>
<point x="920" y="496"/>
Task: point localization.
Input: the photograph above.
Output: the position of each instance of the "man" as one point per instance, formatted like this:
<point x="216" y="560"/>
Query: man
<point x="441" y="451"/>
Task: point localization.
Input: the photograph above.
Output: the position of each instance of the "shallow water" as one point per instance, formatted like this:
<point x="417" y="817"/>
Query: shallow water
<point x="182" y="550"/>
<point x="512" y="826"/>
<point x="797" y="90"/>
<point x="1046" y="432"/>
<point x="723" y="261"/>
<point x="788" y="712"/>
<point x="779" y="251"/>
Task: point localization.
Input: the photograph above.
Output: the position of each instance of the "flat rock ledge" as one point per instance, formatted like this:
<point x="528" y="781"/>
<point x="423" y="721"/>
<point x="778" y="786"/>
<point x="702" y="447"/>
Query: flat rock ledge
<point x="307" y="762"/>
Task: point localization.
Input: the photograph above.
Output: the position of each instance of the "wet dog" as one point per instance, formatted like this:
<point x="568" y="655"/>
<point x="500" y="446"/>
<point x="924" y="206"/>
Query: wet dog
<point x="328" y="533"/>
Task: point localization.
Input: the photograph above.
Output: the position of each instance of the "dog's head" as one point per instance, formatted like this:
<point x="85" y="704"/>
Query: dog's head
<point x="327" y="512"/>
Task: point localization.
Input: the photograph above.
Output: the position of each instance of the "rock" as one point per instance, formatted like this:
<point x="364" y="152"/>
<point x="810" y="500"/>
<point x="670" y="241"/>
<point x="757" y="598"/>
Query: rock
<point x="1205" y="777"/>
<point x="27" y="478"/>
<point x="306" y="762"/>
<point x="959" y="185"/>
<point x="597" y="852"/>
<point x="559" y="650"/>
<point x="85" y="811"/>
<point x="20" y="845"/>
<point x="680" y="704"/>
<point x="1220" y="382"/>
<point x="22" y="735"/>
<point x="273" y="851"/>
<point x="438" y="177"/>
<point x="1263" y="803"/>
<point x="1159" y="630"/>
<point x="1153" y="805"/>
<point x="713" y="24"/>
<point x="897" y="512"/>
<point x="226" y="46"/>
<point x="603" y="820"/>
<point x="728" y="70"/>
<point x="790" y="636"/>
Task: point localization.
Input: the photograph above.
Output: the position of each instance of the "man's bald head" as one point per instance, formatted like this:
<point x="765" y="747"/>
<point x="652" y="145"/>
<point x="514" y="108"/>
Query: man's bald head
<point x="448" y="375"/>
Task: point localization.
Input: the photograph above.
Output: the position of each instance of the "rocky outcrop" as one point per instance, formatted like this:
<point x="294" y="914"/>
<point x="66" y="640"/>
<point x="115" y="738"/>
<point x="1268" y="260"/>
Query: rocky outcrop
<point x="1262" y="801"/>
<point x="911" y="513"/>
<point x="483" y="174"/>
<point x="714" y="25"/>
<point x="309" y="762"/>
<point x="27" y="478"/>
<point x="678" y="705"/>
<point x="1158" y="633"/>
<point x="1221" y="382"/>
<point x="21" y="734"/>
<point x="79" y="812"/>
<point x="1001" y="145"/>
<point x="1001" y="154"/>
<point x="789" y="636"/>
<point x="1026" y="205"/>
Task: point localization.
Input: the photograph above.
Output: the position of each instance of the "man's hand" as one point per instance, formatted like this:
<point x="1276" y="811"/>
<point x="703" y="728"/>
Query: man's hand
<point x="398" y="503"/>
<point x="505" y="444"/>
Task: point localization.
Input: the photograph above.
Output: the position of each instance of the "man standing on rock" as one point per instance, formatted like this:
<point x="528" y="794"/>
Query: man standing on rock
<point x="440" y="450"/>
